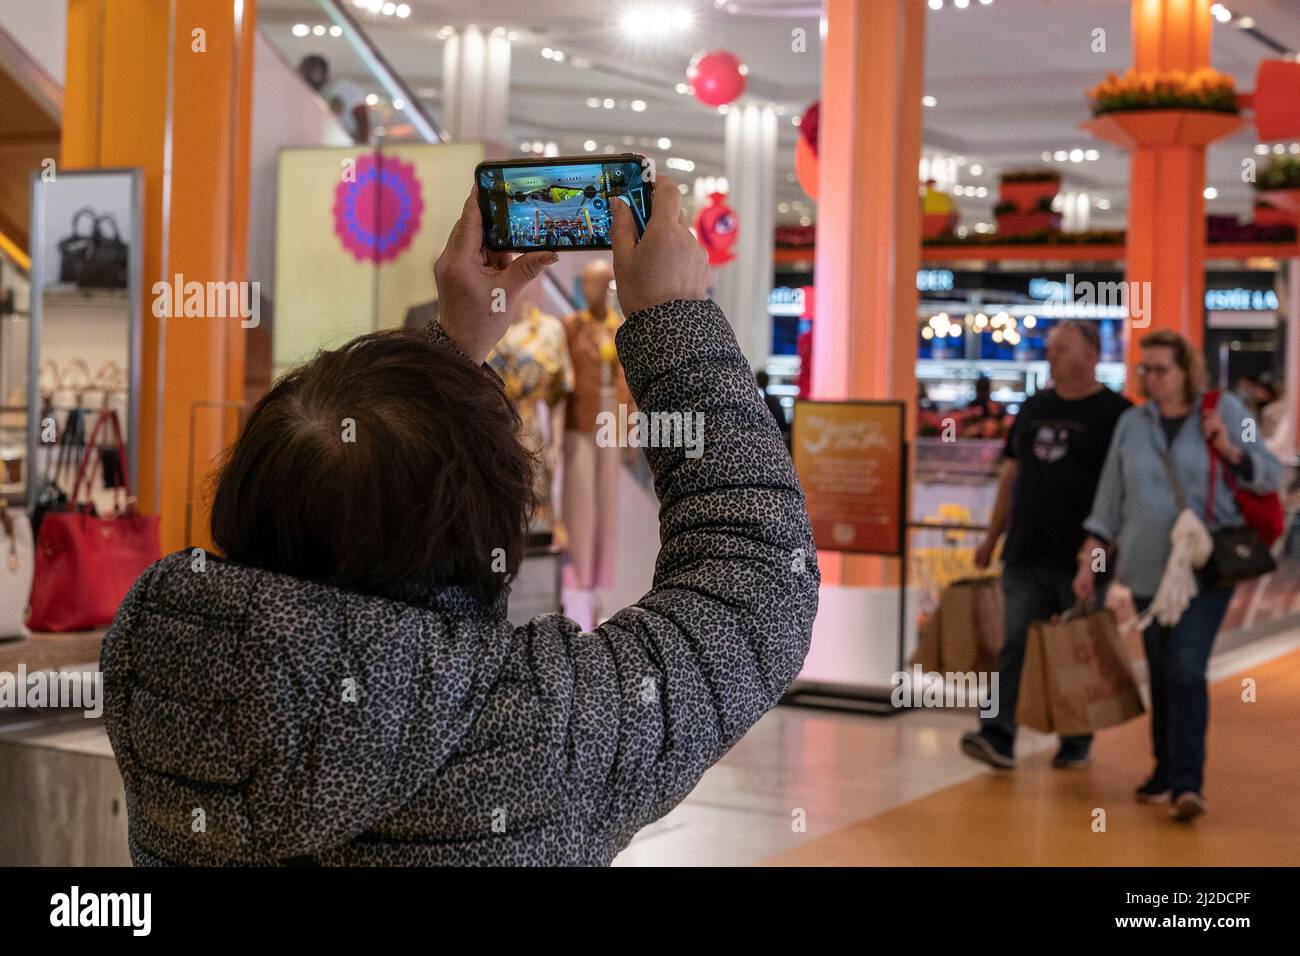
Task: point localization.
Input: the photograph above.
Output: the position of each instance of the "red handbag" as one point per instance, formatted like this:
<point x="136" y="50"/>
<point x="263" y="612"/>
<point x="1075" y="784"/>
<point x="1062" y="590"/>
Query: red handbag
<point x="1261" y="512"/>
<point x="85" y="563"/>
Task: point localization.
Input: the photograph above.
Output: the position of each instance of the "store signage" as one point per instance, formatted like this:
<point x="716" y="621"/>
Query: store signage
<point x="849" y="456"/>
<point x="1241" y="300"/>
<point x="934" y="280"/>
<point x="786" y="300"/>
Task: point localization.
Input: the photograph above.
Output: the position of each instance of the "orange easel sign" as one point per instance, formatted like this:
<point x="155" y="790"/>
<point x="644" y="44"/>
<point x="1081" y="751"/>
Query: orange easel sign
<point x="850" y="460"/>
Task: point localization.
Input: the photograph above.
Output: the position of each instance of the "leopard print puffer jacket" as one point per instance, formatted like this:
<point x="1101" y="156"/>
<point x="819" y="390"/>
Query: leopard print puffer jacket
<point x="261" y="719"/>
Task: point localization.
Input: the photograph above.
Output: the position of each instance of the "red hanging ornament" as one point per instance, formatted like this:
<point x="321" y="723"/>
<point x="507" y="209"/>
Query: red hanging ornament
<point x="716" y="76"/>
<point x="715" y="227"/>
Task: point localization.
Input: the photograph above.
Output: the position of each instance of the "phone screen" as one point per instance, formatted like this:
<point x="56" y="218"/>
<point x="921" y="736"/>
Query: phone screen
<point x="560" y="204"/>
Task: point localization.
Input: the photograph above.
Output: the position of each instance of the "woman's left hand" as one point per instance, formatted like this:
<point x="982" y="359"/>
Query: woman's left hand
<point x="476" y="286"/>
<point x="1216" y="435"/>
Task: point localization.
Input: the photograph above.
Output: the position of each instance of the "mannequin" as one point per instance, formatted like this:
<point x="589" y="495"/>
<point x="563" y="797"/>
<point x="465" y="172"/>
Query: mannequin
<point x="590" y="472"/>
<point x="532" y="359"/>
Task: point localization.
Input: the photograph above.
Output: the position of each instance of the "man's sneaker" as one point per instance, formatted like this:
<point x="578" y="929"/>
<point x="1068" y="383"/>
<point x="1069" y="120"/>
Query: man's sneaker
<point x="1154" y="791"/>
<point x="1188" y="805"/>
<point x="974" y="744"/>
<point x="1071" y="756"/>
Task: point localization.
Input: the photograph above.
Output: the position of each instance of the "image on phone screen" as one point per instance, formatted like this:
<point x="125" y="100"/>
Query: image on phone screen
<point x="559" y="206"/>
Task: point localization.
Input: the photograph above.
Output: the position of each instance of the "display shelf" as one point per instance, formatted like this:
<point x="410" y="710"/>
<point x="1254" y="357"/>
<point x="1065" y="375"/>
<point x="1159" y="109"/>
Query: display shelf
<point x="1132" y="128"/>
<point x="51" y="652"/>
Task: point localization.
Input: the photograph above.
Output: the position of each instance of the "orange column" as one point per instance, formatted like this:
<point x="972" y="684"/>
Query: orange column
<point x="1165" y="248"/>
<point x="868" y="218"/>
<point x="166" y="87"/>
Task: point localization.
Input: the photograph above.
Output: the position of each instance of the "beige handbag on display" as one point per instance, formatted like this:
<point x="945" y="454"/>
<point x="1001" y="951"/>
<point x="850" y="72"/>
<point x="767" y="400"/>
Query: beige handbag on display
<point x="15" y="571"/>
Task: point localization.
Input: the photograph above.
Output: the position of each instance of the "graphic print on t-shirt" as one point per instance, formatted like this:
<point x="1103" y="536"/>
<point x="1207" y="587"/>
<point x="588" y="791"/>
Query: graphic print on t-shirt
<point x="1051" y="442"/>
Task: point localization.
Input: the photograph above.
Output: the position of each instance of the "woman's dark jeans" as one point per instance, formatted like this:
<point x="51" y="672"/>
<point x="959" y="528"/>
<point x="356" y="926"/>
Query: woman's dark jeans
<point x="1180" y="702"/>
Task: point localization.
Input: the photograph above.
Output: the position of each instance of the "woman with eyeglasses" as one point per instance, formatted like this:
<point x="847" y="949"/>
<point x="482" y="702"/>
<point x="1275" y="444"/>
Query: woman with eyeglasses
<point x="1134" y="511"/>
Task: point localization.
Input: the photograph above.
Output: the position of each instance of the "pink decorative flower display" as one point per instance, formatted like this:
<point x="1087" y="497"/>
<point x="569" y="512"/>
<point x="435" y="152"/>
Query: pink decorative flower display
<point x="377" y="215"/>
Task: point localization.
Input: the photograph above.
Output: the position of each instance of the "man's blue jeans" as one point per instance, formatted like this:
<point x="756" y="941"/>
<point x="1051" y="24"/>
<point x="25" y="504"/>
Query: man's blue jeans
<point x="1180" y="702"/>
<point x="1031" y="594"/>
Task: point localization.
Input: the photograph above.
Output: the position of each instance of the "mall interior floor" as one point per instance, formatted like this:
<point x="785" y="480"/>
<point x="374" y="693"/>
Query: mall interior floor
<point x="817" y="788"/>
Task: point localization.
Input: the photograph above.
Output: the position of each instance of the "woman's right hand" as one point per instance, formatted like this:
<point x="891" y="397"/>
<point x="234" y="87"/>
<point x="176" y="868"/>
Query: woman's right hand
<point x="667" y="264"/>
<point x="1083" y="582"/>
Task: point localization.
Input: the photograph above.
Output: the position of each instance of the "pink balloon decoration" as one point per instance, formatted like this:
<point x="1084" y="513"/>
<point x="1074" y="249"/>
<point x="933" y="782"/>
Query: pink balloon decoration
<point x="717" y="77"/>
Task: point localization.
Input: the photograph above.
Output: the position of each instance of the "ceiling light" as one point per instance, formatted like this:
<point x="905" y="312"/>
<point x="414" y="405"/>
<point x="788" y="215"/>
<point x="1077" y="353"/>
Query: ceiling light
<point x="628" y="141"/>
<point x="547" y="53"/>
<point x="1246" y="23"/>
<point x="1279" y="148"/>
<point x="796" y="120"/>
<point x="589" y="145"/>
<point x="399" y="104"/>
<point x="1211" y="193"/>
<point x="336" y="31"/>
<point x="1221" y="13"/>
<point x="403" y="10"/>
<point x="1261" y="149"/>
<point x="301" y="29"/>
<point x="372" y="99"/>
<point x="1060" y="156"/>
<point x="445" y="32"/>
<point x="608" y="103"/>
<point x="1091" y="155"/>
<point x="676" y="162"/>
<point x="982" y="192"/>
<point x="936" y="4"/>
<point x="783" y="207"/>
<point x="1103" y="203"/>
<point x="959" y="190"/>
<point x="641" y="22"/>
<point x="977" y="170"/>
<point x="929" y="101"/>
<point x="609" y="149"/>
<point x="1076" y="155"/>
<point x="558" y="56"/>
<point x="682" y="88"/>
<point x="513" y="36"/>
<point x="318" y="30"/>
<point x="665" y="142"/>
<point x="389" y="9"/>
<point x="961" y="4"/>
<point x="1047" y="156"/>
<point x="638" y="106"/>
<point x="1293" y="148"/>
<point x="593" y="102"/>
<point x="580" y="63"/>
<point x="985" y="2"/>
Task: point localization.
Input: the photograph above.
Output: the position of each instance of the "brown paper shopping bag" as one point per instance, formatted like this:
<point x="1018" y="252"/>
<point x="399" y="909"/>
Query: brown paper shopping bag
<point x="964" y="634"/>
<point x="1089" y="683"/>
<point x="1032" y="707"/>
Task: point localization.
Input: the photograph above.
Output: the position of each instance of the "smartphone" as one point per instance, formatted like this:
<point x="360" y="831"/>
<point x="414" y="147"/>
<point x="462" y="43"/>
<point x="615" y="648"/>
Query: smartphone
<point x="561" y="203"/>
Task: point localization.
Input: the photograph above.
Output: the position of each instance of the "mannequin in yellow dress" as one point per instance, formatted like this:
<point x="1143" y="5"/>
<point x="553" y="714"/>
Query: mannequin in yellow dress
<point x="532" y="359"/>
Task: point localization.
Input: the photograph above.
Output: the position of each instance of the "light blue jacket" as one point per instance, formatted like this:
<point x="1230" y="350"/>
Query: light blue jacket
<point x="1135" y="507"/>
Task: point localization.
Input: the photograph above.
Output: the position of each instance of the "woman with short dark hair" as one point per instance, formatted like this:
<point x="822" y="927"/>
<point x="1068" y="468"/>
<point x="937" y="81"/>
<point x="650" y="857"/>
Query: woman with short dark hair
<point x="343" y="687"/>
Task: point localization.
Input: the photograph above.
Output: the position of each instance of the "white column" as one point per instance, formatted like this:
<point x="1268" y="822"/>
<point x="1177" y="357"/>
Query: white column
<point x="476" y="84"/>
<point x="744" y="284"/>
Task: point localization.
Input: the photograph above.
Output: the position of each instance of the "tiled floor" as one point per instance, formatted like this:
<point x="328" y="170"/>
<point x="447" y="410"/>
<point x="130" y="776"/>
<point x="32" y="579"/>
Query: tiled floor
<point x="830" y="771"/>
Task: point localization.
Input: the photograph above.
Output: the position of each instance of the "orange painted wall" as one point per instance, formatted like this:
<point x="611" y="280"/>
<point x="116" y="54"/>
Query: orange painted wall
<point x="139" y="79"/>
<point x="869" y="238"/>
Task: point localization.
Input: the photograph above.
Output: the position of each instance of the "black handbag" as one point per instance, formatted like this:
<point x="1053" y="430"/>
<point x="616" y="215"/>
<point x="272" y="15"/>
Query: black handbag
<point x="1238" y="554"/>
<point x="75" y="247"/>
<point x="67" y="459"/>
<point x="105" y="263"/>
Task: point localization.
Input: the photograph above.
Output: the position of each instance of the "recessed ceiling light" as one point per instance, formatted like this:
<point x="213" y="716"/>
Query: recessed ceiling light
<point x="608" y="103"/>
<point x="638" y="106"/>
<point x="977" y="170"/>
<point x="929" y="101"/>
<point x="682" y="88"/>
<point x="593" y="102"/>
<point x="403" y="10"/>
<point x="1060" y="156"/>
<point x="961" y="4"/>
<point x="1091" y="155"/>
<point x="1047" y="156"/>
<point x="665" y="143"/>
<point x="1261" y="149"/>
<point x="1246" y="23"/>
<point x="1279" y="148"/>
<point x="1211" y="193"/>
<point x="936" y="4"/>
<point x="1103" y="203"/>
<point x="301" y="29"/>
<point x="1076" y="155"/>
<point x="336" y="31"/>
<point x="318" y="30"/>
<point x="1221" y="13"/>
<point x="372" y="99"/>
<point x="399" y="104"/>
<point x="1293" y="148"/>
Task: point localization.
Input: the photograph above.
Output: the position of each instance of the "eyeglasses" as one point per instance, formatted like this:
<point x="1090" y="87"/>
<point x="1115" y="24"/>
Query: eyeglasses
<point x="1159" y="371"/>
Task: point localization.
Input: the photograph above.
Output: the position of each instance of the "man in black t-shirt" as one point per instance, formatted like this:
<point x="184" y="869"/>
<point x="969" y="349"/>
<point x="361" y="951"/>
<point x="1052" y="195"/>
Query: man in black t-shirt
<point x="1051" y="464"/>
